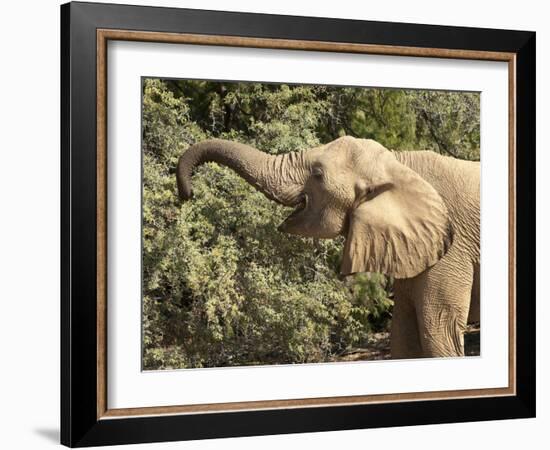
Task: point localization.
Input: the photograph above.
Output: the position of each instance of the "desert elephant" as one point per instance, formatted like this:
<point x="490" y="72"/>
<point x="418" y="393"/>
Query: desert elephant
<point x="412" y="215"/>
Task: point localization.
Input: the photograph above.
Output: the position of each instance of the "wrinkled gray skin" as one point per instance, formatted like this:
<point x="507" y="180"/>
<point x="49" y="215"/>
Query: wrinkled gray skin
<point x="412" y="215"/>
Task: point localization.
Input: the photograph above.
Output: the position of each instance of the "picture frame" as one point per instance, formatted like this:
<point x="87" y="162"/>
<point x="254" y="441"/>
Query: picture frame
<point x="86" y="29"/>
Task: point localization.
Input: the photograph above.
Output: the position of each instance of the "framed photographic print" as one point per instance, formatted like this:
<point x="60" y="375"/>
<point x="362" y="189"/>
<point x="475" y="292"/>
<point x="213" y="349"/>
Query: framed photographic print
<point x="276" y="224"/>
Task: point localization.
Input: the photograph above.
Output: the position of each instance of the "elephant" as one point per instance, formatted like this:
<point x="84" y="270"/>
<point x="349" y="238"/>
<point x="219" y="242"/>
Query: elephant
<point x="412" y="215"/>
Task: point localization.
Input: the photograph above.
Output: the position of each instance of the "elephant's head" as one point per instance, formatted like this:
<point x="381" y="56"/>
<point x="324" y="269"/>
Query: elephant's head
<point x="394" y="221"/>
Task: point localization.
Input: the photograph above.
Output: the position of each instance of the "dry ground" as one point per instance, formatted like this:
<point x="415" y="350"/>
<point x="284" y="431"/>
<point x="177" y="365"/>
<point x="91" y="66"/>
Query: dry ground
<point x="379" y="346"/>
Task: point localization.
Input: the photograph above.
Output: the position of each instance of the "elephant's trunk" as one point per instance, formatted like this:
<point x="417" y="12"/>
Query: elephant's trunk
<point x="280" y="178"/>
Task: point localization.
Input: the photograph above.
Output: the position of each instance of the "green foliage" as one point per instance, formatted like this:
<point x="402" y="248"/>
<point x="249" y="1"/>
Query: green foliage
<point x="448" y="122"/>
<point x="221" y="286"/>
<point x="445" y="122"/>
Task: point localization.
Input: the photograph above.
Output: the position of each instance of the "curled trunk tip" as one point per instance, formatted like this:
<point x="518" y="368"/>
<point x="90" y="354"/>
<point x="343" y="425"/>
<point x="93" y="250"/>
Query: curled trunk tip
<point x="185" y="191"/>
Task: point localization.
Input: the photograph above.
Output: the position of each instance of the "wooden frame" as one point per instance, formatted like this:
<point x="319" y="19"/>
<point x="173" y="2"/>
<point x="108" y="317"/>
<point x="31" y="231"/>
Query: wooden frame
<point x="86" y="418"/>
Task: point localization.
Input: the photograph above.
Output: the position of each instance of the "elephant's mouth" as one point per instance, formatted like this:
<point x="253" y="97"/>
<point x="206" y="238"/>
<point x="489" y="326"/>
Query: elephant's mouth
<point x="299" y="207"/>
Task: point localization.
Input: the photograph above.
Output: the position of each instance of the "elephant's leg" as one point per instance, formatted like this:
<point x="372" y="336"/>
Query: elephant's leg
<point x="405" y="342"/>
<point x="442" y="306"/>
<point x="473" y="315"/>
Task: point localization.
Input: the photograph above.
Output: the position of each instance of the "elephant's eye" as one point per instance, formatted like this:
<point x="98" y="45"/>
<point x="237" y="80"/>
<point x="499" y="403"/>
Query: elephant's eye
<point x="318" y="173"/>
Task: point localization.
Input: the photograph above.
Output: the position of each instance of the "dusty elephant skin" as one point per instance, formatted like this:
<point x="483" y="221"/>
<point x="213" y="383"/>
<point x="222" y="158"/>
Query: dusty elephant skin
<point x="411" y="215"/>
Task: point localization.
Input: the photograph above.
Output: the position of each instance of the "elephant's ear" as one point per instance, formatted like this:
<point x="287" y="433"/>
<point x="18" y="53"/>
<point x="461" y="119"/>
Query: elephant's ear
<point x="399" y="226"/>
